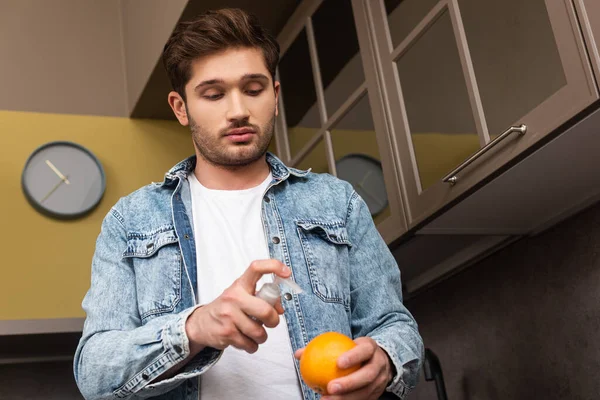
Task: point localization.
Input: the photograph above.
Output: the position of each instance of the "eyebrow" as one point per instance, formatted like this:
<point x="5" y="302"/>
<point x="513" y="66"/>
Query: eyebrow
<point x="246" y="77"/>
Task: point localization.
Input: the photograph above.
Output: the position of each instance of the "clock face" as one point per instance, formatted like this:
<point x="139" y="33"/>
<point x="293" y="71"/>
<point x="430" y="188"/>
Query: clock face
<point x="63" y="180"/>
<point x="366" y="176"/>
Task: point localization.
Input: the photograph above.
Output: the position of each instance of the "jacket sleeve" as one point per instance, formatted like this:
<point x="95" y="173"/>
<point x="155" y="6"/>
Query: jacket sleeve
<point x="117" y="357"/>
<point x="377" y="309"/>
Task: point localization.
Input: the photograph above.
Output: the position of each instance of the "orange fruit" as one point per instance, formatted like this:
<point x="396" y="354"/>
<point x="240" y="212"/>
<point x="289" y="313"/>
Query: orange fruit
<point x="318" y="363"/>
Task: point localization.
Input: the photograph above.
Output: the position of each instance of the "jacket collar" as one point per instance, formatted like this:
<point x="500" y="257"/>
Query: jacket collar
<point x="279" y="170"/>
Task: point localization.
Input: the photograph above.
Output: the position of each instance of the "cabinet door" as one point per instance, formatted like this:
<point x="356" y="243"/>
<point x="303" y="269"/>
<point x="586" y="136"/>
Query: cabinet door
<point x="588" y="13"/>
<point x="332" y="117"/>
<point x="458" y="73"/>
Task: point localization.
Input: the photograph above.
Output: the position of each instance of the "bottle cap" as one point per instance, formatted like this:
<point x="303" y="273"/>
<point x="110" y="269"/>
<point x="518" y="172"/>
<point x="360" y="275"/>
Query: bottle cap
<point x="269" y="292"/>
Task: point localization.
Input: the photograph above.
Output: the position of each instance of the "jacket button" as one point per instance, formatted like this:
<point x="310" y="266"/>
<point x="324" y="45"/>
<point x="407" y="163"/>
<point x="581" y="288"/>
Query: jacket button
<point x="287" y="296"/>
<point x="178" y="348"/>
<point x="186" y="236"/>
<point x="275" y="240"/>
<point x="267" y="200"/>
<point x="144" y="376"/>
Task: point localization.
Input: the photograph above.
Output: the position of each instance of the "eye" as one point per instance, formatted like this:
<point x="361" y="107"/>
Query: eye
<point x="213" y="97"/>
<point x="254" y="88"/>
<point x="254" y="92"/>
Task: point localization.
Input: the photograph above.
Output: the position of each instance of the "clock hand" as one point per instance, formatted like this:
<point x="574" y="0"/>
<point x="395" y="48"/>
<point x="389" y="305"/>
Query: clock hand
<point x="365" y="178"/>
<point x="53" y="189"/>
<point x="57" y="172"/>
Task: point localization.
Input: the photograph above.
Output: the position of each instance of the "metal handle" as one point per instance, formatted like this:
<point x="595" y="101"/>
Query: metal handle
<point x="432" y="369"/>
<point x="451" y="178"/>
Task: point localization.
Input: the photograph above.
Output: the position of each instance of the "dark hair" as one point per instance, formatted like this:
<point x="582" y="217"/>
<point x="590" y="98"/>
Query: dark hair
<point x="211" y="32"/>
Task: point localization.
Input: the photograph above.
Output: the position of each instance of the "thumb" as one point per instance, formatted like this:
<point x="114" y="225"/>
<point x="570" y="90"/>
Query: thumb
<point x="298" y="353"/>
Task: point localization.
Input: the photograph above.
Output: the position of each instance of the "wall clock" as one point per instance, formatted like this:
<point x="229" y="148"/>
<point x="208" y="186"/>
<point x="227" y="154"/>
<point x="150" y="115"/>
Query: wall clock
<point x="366" y="176"/>
<point x="63" y="180"/>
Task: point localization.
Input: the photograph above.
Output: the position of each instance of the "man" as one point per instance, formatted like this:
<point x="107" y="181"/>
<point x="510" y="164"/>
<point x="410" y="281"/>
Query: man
<point x="172" y="310"/>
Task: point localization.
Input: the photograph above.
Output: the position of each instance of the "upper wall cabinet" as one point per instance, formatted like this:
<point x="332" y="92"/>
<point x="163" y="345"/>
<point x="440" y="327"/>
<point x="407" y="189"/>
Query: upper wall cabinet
<point x="588" y="12"/>
<point x="467" y="85"/>
<point x="331" y="111"/>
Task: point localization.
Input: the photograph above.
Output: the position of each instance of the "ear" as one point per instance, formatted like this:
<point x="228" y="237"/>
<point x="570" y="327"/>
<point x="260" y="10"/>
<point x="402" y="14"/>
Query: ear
<point x="276" y="88"/>
<point x="178" y="106"/>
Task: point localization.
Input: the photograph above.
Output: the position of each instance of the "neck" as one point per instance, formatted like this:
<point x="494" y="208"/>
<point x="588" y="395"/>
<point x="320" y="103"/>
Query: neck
<point x="220" y="177"/>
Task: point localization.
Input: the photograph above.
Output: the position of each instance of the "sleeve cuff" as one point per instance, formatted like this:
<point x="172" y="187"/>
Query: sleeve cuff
<point x="176" y="348"/>
<point x="404" y="372"/>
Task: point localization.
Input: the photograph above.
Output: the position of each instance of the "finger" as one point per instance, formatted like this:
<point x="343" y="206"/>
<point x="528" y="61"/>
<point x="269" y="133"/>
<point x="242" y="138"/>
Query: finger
<point x="252" y="329"/>
<point x="259" y="268"/>
<point x="357" y="380"/>
<point x="279" y="307"/>
<point x="363" y="351"/>
<point x="233" y="335"/>
<point x="298" y="353"/>
<point x="258" y="308"/>
<point x="242" y="342"/>
<point x="245" y="333"/>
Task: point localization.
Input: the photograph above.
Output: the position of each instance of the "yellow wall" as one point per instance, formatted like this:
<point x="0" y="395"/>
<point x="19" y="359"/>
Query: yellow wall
<point x="45" y="265"/>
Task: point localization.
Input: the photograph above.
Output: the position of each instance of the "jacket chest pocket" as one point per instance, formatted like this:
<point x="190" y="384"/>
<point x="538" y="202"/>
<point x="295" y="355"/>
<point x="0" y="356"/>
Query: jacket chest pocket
<point x="157" y="263"/>
<point x="325" y="248"/>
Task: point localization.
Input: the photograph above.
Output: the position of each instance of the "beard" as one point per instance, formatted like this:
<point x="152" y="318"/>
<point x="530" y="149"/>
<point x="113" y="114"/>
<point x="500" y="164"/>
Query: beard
<point x="214" y="149"/>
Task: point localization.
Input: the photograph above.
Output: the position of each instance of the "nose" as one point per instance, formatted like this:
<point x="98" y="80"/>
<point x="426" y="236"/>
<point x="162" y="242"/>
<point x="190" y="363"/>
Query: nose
<point x="237" y="109"/>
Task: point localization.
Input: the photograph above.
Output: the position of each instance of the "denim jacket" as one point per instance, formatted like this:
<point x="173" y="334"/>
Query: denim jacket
<point x="144" y="284"/>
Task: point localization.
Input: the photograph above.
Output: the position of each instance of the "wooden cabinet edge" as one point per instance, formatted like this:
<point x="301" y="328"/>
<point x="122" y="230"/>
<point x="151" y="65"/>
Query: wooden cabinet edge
<point x="37" y="326"/>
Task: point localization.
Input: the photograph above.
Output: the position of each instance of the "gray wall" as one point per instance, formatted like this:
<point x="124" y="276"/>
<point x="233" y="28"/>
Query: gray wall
<point x="522" y="324"/>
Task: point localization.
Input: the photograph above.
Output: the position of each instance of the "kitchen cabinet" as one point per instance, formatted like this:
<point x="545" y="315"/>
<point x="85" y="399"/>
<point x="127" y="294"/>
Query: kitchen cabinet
<point x="559" y="179"/>
<point x="504" y="92"/>
<point x="588" y="13"/>
<point x="331" y="108"/>
<point x="472" y="80"/>
<point x="40" y="326"/>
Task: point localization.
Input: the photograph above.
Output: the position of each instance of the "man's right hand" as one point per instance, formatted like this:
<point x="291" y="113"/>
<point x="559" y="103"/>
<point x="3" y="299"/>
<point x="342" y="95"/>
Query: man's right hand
<point x="227" y="321"/>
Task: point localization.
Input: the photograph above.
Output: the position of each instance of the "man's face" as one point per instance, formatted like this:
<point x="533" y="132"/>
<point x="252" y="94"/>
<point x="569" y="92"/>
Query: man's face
<point x="231" y="106"/>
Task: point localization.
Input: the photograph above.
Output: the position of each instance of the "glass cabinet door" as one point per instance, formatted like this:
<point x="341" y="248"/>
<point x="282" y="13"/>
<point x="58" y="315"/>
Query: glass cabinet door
<point x="515" y="57"/>
<point x="299" y="103"/>
<point x="358" y="160"/>
<point x="438" y="111"/>
<point x="588" y="13"/>
<point x="328" y="109"/>
<point x="458" y="73"/>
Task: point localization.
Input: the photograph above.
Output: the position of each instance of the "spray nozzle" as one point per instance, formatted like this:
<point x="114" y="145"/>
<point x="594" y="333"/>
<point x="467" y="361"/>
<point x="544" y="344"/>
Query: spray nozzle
<point x="269" y="292"/>
<point x="292" y="286"/>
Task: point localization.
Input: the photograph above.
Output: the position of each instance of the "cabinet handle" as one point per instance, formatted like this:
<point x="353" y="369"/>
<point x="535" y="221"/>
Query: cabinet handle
<point x="451" y="178"/>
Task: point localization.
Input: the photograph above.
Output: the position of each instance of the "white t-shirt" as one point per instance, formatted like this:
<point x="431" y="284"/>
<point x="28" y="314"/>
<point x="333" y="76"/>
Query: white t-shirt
<point x="229" y="236"/>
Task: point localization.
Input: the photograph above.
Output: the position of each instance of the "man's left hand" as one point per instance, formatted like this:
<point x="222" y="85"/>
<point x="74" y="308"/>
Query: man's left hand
<point x="367" y="383"/>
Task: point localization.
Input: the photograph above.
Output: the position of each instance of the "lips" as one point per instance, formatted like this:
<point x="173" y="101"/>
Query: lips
<point x="240" y="135"/>
<point x="240" y="131"/>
